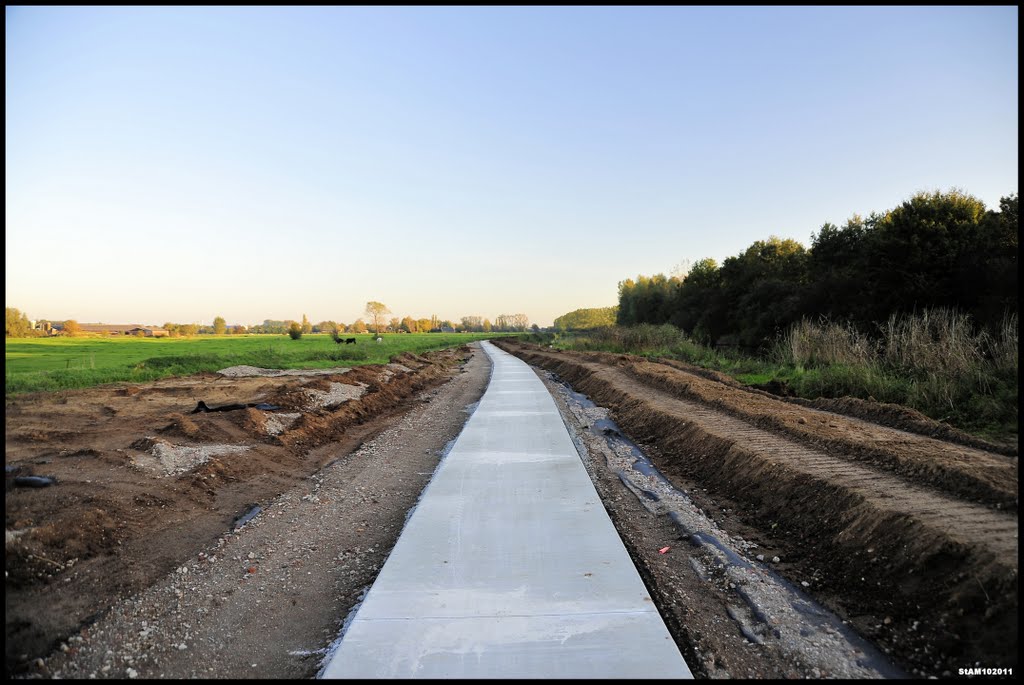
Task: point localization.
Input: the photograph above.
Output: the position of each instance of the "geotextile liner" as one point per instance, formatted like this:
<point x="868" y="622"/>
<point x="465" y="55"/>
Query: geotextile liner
<point x="947" y="599"/>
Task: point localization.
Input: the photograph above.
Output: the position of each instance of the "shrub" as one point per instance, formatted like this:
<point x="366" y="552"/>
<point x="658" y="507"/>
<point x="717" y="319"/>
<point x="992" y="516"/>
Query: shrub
<point x="295" y="331"/>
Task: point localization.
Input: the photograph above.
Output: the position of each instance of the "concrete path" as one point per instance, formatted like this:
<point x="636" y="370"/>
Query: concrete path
<point x="509" y="567"/>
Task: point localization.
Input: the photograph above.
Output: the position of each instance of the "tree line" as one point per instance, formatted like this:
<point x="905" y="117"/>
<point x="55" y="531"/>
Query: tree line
<point x="376" y="321"/>
<point x="935" y="250"/>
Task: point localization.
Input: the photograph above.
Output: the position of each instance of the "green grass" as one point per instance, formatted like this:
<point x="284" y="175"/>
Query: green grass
<point x="46" y="364"/>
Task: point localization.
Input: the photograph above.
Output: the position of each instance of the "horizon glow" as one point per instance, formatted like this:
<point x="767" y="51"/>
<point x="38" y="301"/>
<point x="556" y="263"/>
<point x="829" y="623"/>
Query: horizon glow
<point x="173" y="164"/>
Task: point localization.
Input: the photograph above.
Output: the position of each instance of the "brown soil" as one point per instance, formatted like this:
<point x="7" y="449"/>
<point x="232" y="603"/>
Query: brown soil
<point x="143" y="486"/>
<point x="911" y="538"/>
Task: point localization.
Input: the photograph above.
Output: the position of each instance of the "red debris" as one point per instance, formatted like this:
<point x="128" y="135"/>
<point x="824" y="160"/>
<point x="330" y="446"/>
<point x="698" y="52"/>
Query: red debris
<point x="664" y="550"/>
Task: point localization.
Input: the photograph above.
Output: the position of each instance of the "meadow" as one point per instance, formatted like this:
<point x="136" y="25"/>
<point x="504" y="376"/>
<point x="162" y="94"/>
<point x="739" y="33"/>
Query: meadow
<point x="46" y="364"/>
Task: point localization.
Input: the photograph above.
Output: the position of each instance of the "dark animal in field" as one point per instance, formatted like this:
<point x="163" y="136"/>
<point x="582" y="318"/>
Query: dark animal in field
<point x="350" y="341"/>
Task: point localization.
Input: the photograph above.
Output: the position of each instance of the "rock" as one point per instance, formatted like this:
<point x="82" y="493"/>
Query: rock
<point x="776" y="560"/>
<point x="132" y="673"/>
<point x="760" y="557"/>
<point x="805" y="583"/>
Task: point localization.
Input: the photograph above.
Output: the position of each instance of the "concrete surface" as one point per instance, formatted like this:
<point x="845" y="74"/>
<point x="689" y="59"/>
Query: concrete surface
<point x="509" y="567"/>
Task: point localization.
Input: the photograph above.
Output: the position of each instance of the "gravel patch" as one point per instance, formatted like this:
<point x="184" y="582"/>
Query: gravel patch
<point x="280" y="422"/>
<point x="169" y="460"/>
<point x="339" y="393"/>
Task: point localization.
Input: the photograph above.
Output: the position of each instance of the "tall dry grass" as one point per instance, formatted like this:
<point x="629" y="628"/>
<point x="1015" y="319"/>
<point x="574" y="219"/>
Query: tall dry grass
<point x="936" y="341"/>
<point x="934" y="360"/>
<point x="810" y="344"/>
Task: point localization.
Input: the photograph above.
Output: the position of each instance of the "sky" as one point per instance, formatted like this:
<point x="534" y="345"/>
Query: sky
<point x="181" y="163"/>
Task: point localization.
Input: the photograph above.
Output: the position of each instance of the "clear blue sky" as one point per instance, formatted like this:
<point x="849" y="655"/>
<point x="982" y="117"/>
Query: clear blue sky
<point x="175" y="164"/>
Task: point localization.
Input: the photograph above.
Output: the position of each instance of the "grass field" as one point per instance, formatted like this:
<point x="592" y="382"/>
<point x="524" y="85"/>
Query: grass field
<point x="34" y="364"/>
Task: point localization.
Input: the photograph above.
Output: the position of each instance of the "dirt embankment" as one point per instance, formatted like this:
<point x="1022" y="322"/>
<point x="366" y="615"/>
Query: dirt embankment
<point x="143" y="485"/>
<point x="913" y="539"/>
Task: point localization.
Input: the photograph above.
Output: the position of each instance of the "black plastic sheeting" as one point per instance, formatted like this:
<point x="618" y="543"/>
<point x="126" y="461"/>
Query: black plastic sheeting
<point x="202" y="407"/>
<point x="247" y="516"/>
<point x="34" y="481"/>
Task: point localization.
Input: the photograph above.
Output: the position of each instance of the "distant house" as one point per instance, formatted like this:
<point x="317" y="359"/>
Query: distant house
<point x="150" y="332"/>
<point x="123" y="329"/>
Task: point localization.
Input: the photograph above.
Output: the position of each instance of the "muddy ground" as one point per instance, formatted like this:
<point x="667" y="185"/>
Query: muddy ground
<point x="134" y="565"/>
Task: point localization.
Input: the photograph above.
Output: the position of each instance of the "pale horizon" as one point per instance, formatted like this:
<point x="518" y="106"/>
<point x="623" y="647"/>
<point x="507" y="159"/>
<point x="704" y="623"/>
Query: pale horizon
<point x="172" y="164"/>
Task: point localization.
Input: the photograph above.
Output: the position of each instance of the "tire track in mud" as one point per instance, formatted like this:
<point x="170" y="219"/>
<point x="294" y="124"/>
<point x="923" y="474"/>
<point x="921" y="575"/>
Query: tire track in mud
<point x="962" y="471"/>
<point x="967" y="522"/>
<point x="941" y="571"/>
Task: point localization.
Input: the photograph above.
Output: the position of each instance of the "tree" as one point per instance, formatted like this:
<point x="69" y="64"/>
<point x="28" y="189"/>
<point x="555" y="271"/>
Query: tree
<point x="409" y="324"/>
<point x="71" y="327"/>
<point x="188" y="329"/>
<point x="18" y="325"/>
<point x="487" y="325"/>
<point x="582" y="319"/>
<point x="472" y="323"/>
<point x="922" y="255"/>
<point x="423" y="325"/>
<point x="307" y="327"/>
<point x="995" y="261"/>
<point x="295" y="330"/>
<point x="359" y="326"/>
<point x="376" y="311"/>
<point x="220" y="326"/>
